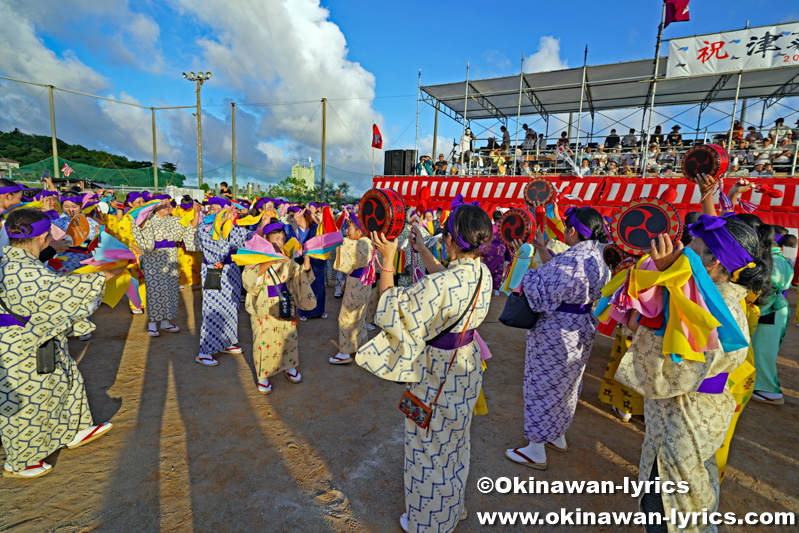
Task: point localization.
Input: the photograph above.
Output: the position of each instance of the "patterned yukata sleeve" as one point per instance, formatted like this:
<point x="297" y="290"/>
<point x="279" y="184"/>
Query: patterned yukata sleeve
<point x="300" y="287"/>
<point x="408" y="317"/>
<point x="346" y="256"/>
<point x="145" y="237"/>
<point x="249" y="278"/>
<point x="545" y="286"/>
<point x="63" y="301"/>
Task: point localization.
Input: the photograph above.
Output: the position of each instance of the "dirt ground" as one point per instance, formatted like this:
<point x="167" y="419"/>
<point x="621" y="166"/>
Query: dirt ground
<point x="197" y="448"/>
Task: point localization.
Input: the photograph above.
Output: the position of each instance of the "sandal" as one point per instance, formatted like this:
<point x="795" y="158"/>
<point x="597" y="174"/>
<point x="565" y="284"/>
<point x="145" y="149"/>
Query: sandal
<point x="206" y="360"/>
<point x="624" y="417"/>
<point x="296" y="377"/>
<point x="340" y="359"/>
<point x="94" y="433"/>
<point x="527" y="461"/>
<point x="303" y="318"/>
<point x="552" y="446"/>
<point x="86" y="337"/>
<point x="137" y="311"/>
<point x="153" y="332"/>
<point x="264" y="389"/>
<point x="323" y="315"/>
<point x="172" y="329"/>
<point x="235" y="350"/>
<point x="39" y="469"/>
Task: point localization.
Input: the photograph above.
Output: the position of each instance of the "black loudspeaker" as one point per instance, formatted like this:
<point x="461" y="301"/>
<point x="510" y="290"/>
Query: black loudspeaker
<point x="388" y="163"/>
<point x="396" y="163"/>
<point x="409" y="162"/>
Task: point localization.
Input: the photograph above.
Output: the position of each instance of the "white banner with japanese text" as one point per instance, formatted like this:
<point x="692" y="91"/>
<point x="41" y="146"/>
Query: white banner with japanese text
<point x="765" y="47"/>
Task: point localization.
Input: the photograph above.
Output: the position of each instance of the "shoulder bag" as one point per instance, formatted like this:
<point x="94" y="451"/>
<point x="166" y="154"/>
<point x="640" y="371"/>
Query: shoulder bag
<point x="285" y="302"/>
<point x="414" y="408"/>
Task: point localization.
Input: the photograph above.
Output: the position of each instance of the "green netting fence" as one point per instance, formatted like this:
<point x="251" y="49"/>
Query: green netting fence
<point x="142" y="178"/>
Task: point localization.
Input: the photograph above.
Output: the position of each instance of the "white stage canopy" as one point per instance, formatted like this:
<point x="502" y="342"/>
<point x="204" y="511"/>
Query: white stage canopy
<point x="613" y="86"/>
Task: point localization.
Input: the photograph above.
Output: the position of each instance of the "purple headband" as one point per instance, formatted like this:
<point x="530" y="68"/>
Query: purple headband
<point x="44" y="194"/>
<point x="458" y="202"/>
<point x="574" y="222"/>
<point x="269" y="228"/>
<point x="161" y="197"/>
<point x="724" y="247"/>
<point x="355" y="220"/>
<point x="312" y="204"/>
<point x="294" y="209"/>
<point x="214" y="200"/>
<point x="37" y="228"/>
<point x="132" y="197"/>
<point x="11" y="189"/>
<point x="779" y="239"/>
<point x="185" y="204"/>
<point x="78" y="200"/>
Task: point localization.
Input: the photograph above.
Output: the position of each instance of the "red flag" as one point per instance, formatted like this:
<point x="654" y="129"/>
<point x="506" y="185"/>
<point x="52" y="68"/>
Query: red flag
<point x="377" y="139"/>
<point x="676" y="11"/>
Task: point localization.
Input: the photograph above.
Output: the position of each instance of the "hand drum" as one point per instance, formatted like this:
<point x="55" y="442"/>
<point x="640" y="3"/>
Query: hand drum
<point x="638" y="222"/>
<point x="382" y="210"/>
<point x="516" y="224"/>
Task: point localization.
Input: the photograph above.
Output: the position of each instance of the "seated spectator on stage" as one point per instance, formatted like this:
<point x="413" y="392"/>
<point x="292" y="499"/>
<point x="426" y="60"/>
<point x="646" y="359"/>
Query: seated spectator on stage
<point x="496" y="158"/>
<point x="629" y="140"/>
<point x="667" y="172"/>
<point x="768" y="170"/>
<point x="612" y="140"/>
<point x="428" y="164"/>
<point x="526" y="170"/>
<point x="779" y="130"/>
<point x="563" y="141"/>
<point x="505" y="139"/>
<point x="538" y="170"/>
<point x="631" y="159"/>
<point x="667" y="158"/>
<point x="441" y="166"/>
<point x="528" y="144"/>
<point x="657" y="137"/>
<point x="674" y="138"/>
<point x="501" y="170"/>
<point x="615" y="157"/>
<point x="652" y="158"/>
<point x="763" y="155"/>
<point x="736" y="170"/>
<point x="743" y="153"/>
<point x="613" y="168"/>
<point x="585" y="168"/>
<point x="455" y="168"/>
<point x="737" y="131"/>
<point x="782" y="158"/>
<point x="753" y="134"/>
<point x="600" y="158"/>
<point x="625" y="170"/>
<point x="757" y="171"/>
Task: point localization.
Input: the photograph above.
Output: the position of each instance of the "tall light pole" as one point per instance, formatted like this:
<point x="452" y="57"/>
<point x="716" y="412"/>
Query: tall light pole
<point x="200" y="78"/>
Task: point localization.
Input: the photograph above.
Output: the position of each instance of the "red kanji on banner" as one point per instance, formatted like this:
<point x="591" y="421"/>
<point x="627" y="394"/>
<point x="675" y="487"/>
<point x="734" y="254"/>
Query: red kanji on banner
<point x="377" y="139"/>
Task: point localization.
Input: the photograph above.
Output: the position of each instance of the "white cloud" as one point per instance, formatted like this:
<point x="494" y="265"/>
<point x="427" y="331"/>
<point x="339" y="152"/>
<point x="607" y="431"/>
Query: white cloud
<point x="547" y="56"/>
<point x="258" y="50"/>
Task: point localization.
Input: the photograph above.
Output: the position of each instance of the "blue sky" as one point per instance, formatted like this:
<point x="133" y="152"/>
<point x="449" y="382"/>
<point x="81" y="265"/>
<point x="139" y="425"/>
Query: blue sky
<point x="269" y="51"/>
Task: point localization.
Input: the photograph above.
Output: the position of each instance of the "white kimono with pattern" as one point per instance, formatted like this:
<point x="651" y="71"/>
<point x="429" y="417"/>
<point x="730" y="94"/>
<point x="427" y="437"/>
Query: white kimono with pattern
<point x="436" y="461"/>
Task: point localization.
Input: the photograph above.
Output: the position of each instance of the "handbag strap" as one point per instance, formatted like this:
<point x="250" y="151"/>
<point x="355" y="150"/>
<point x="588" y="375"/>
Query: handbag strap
<point x="465" y="328"/>
<point x="16" y="317"/>
<point x="452" y="326"/>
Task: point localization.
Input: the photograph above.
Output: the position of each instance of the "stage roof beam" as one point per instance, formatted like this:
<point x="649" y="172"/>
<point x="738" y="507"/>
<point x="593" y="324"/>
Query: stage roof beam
<point x="711" y="95"/>
<point x="530" y="93"/>
<point x="486" y="104"/>
<point x="789" y="88"/>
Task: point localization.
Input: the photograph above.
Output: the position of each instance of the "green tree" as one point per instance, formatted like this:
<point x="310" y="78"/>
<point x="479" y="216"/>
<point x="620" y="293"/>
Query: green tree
<point x="168" y="167"/>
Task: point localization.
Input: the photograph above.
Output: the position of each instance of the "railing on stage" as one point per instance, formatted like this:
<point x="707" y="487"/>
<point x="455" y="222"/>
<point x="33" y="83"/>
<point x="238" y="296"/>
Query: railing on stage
<point x="484" y="160"/>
